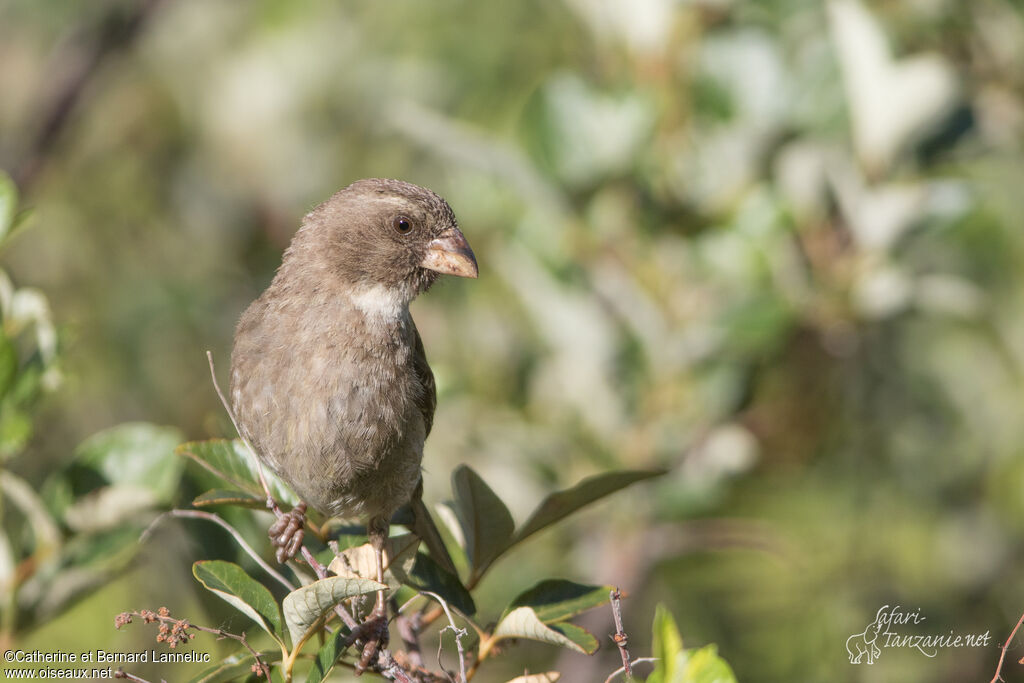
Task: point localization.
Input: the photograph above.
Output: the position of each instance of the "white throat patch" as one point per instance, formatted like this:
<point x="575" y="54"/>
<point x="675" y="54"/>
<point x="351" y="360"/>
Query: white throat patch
<point x="379" y="301"/>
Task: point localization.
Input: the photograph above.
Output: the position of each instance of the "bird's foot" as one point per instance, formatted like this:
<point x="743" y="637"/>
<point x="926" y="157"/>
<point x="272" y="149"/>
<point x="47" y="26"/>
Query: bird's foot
<point x="287" y="533"/>
<point x="374" y="634"/>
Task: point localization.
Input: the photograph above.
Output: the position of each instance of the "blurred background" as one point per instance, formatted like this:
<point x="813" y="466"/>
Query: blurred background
<point x="773" y="247"/>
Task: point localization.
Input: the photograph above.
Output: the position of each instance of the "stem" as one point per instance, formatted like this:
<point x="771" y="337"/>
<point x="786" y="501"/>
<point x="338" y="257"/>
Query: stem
<point x="220" y="633"/>
<point x="459" y="633"/>
<point x="216" y="519"/>
<point x="620" y="637"/>
<point x="638" y="660"/>
<point x="997" y="677"/>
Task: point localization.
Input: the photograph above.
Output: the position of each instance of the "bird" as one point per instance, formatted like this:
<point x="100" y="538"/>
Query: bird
<point x="330" y="383"/>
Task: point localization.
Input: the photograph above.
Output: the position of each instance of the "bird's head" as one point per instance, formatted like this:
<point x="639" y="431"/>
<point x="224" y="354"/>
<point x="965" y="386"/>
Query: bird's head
<point x="389" y="234"/>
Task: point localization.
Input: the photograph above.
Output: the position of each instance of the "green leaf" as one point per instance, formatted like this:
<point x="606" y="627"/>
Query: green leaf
<point x="231" y="461"/>
<point x="486" y="522"/>
<point x="583" y="639"/>
<point x="546" y="677"/>
<point x="523" y="622"/>
<point x="15" y="431"/>
<point x="428" y="575"/>
<point x="20" y="222"/>
<point x="557" y="600"/>
<point x="8" y="204"/>
<point x="668" y="648"/>
<point x="135" y="455"/>
<point x="453" y="536"/>
<point x="87" y="562"/>
<point x="422" y="524"/>
<point x="303" y="608"/>
<point x="230" y="582"/>
<point x="561" y="504"/>
<point x="109" y="551"/>
<point x="46" y="535"/>
<point x="8" y="364"/>
<point x="327" y="656"/>
<point x="705" y="666"/>
<point x="225" y="497"/>
<point x="235" y="667"/>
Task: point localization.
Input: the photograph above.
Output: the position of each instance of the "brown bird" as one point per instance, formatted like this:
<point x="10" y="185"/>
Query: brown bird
<point x="329" y="380"/>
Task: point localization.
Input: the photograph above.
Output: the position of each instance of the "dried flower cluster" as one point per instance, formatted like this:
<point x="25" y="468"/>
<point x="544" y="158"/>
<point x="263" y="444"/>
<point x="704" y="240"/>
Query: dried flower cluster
<point x="172" y="631"/>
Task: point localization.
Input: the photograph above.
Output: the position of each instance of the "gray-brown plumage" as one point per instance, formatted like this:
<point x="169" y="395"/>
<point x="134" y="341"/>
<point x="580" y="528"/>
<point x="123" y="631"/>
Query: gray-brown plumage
<point x="329" y="379"/>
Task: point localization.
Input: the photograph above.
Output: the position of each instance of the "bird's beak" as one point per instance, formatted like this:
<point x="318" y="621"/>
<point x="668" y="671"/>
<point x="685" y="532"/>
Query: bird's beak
<point x="450" y="254"/>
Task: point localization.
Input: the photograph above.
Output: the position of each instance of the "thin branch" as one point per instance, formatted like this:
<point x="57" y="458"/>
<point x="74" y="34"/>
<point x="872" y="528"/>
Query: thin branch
<point x="620" y="637"/>
<point x="1002" y="655"/>
<point x="389" y="668"/>
<point x="180" y="631"/>
<point x="622" y="669"/>
<point x="460" y="633"/>
<point x="121" y="673"/>
<point x="216" y="519"/>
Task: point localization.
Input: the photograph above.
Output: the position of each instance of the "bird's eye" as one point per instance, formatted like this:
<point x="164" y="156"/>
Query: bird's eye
<point x="402" y="224"/>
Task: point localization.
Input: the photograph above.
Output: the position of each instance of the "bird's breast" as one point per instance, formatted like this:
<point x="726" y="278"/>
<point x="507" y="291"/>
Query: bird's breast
<point x="334" y="411"/>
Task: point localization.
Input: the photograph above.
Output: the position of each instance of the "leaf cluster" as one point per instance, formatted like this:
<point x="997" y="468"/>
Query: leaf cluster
<point x="480" y="532"/>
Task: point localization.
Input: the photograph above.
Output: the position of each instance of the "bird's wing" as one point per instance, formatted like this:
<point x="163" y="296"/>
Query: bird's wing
<point x="427" y="401"/>
<point x="423" y="525"/>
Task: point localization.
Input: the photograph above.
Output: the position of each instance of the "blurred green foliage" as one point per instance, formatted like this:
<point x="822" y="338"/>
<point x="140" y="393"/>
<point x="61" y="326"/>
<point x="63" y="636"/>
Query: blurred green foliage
<point x="81" y="527"/>
<point x="773" y="247"/>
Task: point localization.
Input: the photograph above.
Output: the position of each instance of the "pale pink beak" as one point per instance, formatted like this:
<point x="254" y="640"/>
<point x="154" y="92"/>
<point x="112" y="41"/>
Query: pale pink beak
<point x="450" y="254"/>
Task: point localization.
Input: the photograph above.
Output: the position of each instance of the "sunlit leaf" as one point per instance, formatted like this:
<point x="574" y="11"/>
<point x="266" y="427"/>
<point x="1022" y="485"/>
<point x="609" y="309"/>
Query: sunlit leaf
<point x="486" y="522"/>
<point x="231" y="461"/>
<point x="427" y="575"/>
<point x="563" y="503"/>
<point x="135" y="454"/>
<point x="360" y="562"/>
<point x="225" y="497"/>
<point x="546" y="677"/>
<point x="452" y="532"/>
<point x="522" y="622"/>
<point x="303" y="608"/>
<point x="230" y="582"/>
<point x="705" y="666"/>
<point x="557" y="600"/>
<point x="580" y="637"/>
<point x="668" y="648"/>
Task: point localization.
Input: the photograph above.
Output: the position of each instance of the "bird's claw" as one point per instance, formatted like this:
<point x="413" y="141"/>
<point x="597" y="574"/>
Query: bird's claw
<point x="287" y="533"/>
<point x="374" y="634"/>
